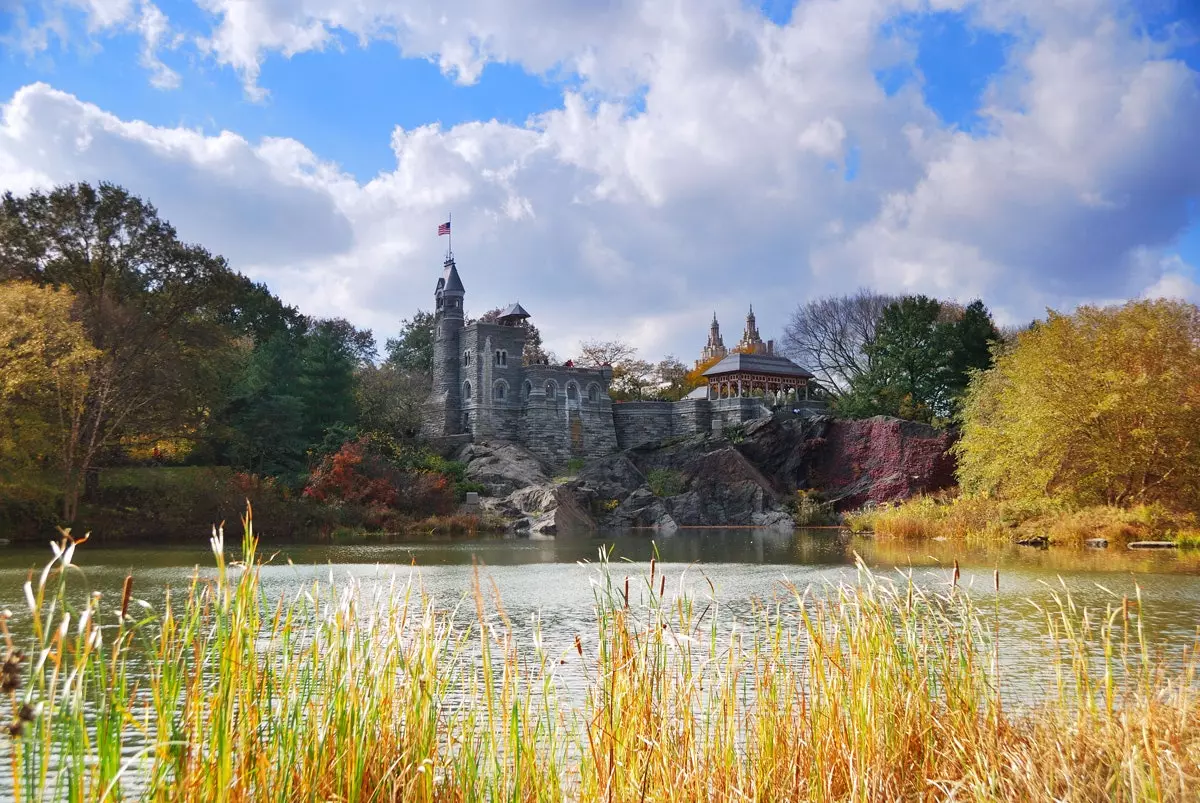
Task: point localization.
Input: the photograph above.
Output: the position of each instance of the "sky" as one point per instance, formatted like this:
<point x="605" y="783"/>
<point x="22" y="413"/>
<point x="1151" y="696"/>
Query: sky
<point x="624" y="168"/>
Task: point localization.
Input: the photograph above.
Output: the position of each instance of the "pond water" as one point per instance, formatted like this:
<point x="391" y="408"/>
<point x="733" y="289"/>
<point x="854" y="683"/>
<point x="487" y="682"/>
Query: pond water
<point x="550" y="576"/>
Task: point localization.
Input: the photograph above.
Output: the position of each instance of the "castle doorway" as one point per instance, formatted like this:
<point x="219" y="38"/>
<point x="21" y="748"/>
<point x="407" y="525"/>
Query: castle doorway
<point x="576" y="428"/>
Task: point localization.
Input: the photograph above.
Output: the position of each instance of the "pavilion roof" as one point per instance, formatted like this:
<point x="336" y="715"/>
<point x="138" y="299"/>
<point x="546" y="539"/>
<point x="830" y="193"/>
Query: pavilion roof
<point x="738" y="363"/>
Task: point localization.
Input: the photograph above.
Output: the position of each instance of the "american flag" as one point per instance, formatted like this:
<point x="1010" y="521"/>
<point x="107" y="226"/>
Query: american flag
<point x="444" y="229"/>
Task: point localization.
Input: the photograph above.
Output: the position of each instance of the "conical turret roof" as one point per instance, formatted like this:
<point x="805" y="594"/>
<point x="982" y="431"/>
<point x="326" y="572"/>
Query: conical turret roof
<point x="453" y="282"/>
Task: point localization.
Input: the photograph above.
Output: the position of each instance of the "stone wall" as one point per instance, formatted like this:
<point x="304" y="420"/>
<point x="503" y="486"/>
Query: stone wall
<point x="734" y="411"/>
<point x="637" y="423"/>
<point x="567" y="413"/>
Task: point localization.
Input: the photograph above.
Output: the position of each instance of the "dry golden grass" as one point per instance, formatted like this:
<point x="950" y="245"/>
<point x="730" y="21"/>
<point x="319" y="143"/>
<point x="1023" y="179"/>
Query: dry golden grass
<point x="983" y="519"/>
<point x="866" y="691"/>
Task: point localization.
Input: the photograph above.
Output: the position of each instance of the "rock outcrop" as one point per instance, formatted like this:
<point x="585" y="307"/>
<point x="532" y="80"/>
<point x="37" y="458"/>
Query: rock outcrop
<point x="880" y="459"/>
<point x="743" y="477"/>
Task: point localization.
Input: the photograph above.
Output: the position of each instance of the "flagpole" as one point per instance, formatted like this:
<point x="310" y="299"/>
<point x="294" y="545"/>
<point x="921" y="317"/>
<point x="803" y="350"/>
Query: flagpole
<point x="450" y="236"/>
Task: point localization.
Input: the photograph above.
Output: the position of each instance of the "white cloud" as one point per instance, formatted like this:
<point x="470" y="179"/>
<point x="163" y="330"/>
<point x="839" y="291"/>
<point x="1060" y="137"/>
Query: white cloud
<point x="725" y="187"/>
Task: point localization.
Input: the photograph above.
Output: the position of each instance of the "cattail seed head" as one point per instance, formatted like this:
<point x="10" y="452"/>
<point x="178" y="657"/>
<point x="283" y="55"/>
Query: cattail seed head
<point x="126" y="594"/>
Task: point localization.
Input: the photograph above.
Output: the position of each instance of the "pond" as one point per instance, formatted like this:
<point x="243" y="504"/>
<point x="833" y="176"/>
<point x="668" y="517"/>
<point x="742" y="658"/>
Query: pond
<point x="550" y="576"/>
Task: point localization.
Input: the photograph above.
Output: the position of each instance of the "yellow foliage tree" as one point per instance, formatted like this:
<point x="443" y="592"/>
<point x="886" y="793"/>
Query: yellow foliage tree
<point x="696" y="378"/>
<point x="45" y="365"/>
<point x="1102" y="406"/>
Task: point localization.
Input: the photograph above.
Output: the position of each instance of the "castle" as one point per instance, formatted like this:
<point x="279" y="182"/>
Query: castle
<point x="482" y="390"/>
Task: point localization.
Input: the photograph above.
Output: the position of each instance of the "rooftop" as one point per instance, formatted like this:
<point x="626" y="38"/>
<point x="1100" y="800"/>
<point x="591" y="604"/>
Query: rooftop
<point x="757" y="364"/>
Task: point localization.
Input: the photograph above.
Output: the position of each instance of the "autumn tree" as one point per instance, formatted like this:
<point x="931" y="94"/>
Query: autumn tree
<point x="696" y="378"/>
<point x="1102" y="406"/>
<point x="46" y="364"/>
<point x="632" y="377"/>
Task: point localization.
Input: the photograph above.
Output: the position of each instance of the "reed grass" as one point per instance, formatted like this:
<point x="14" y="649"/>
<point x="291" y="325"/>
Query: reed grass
<point x="871" y="690"/>
<point x="978" y="518"/>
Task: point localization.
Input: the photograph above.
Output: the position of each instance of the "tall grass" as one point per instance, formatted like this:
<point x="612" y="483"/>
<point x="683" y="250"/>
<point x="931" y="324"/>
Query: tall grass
<point x="873" y="690"/>
<point x="978" y="518"/>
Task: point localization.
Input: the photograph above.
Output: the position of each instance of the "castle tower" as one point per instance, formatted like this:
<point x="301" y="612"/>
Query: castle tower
<point x="715" y="347"/>
<point x="752" y="342"/>
<point x="443" y="410"/>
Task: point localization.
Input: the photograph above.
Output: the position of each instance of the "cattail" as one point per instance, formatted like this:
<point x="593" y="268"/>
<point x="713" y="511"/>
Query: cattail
<point x="996" y="579"/>
<point x="626" y="592"/>
<point x="126" y="593"/>
<point x="578" y="645"/>
<point x="652" y="567"/>
<point x="662" y="587"/>
<point x="954" y="582"/>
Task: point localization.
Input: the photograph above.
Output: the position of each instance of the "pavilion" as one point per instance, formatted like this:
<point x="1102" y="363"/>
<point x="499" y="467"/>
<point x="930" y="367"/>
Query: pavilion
<point x="742" y="374"/>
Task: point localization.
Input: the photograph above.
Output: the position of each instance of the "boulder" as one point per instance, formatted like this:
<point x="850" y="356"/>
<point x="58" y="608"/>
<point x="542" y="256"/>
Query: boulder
<point x="502" y="467"/>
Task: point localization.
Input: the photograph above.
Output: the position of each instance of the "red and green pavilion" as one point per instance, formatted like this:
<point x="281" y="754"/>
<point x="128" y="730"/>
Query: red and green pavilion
<point x="774" y="376"/>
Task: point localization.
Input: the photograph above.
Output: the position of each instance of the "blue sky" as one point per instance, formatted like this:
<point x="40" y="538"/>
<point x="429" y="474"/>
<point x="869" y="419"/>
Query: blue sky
<point x="625" y="139"/>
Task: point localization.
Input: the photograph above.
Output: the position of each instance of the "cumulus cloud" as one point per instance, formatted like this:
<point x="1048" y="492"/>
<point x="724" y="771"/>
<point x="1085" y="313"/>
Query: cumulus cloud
<point x="698" y="161"/>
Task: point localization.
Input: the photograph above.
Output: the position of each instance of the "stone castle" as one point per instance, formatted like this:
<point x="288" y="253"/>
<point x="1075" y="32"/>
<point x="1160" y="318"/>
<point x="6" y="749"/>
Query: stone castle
<point x="482" y="390"/>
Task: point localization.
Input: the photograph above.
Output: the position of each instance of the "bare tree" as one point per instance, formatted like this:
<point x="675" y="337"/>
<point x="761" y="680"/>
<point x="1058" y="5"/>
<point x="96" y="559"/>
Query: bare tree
<point x="597" y="353"/>
<point x="829" y="336"/>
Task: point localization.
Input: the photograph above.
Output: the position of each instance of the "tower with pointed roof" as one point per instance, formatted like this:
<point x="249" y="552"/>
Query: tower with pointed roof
<point x="752" y="342"/>
<point x="715" y="347"/>
<point x="442" y="410"/>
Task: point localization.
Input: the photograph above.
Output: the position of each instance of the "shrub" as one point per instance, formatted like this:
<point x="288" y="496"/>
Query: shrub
<point x="809" y="508"/>
<point x="665" y="482"/>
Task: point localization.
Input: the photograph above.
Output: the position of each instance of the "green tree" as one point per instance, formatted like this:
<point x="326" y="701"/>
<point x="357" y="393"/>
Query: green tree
<point x="332" y="351"/>
<point x="1099" y="406"/>
<point x="412" y="350"/>
<point x="921" y="358"/>
<point x="265" y="417"/>
<point x="972" y="337"/>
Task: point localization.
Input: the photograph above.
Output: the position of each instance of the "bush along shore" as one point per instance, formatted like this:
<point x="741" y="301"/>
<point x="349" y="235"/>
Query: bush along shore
<point x="867" y="691"/>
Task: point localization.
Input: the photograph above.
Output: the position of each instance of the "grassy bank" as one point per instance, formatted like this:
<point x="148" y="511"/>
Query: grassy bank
<point x="979" y="518"/>
<point x="871" y="691"/>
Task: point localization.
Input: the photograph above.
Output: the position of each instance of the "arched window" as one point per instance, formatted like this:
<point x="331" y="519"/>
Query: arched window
<point x="551" y="389"/>
<point x="467" y="357"/>
<point x="593" y="393"/>
<point x="572" y="391"/>
<point x="526" y="389"/>
<point x="499" y="390"/>
<point x="501" y="358"/>
<point x="466" y="390"/>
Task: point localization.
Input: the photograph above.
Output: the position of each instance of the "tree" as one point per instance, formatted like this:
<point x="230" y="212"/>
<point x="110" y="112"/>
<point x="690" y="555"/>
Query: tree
<point x="1102" y="406"/>
<point x="412" y="350"/>
<point x="921" y="359"/>
<point x="149" y="303"/>
<point x="909" y="358"/>
<point x="390" y="401"/>
<point x="696" y="378"/>
<point x="533" y="352"/>
<point x="671" y="376"/>
<point x="46" y="363"/>
<point x="831" y="337"/>
<point x="332" y="350"/>
<point x="598" y="353"/>
<point x="630" y="376"/>
<point x="973" y="335"/>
